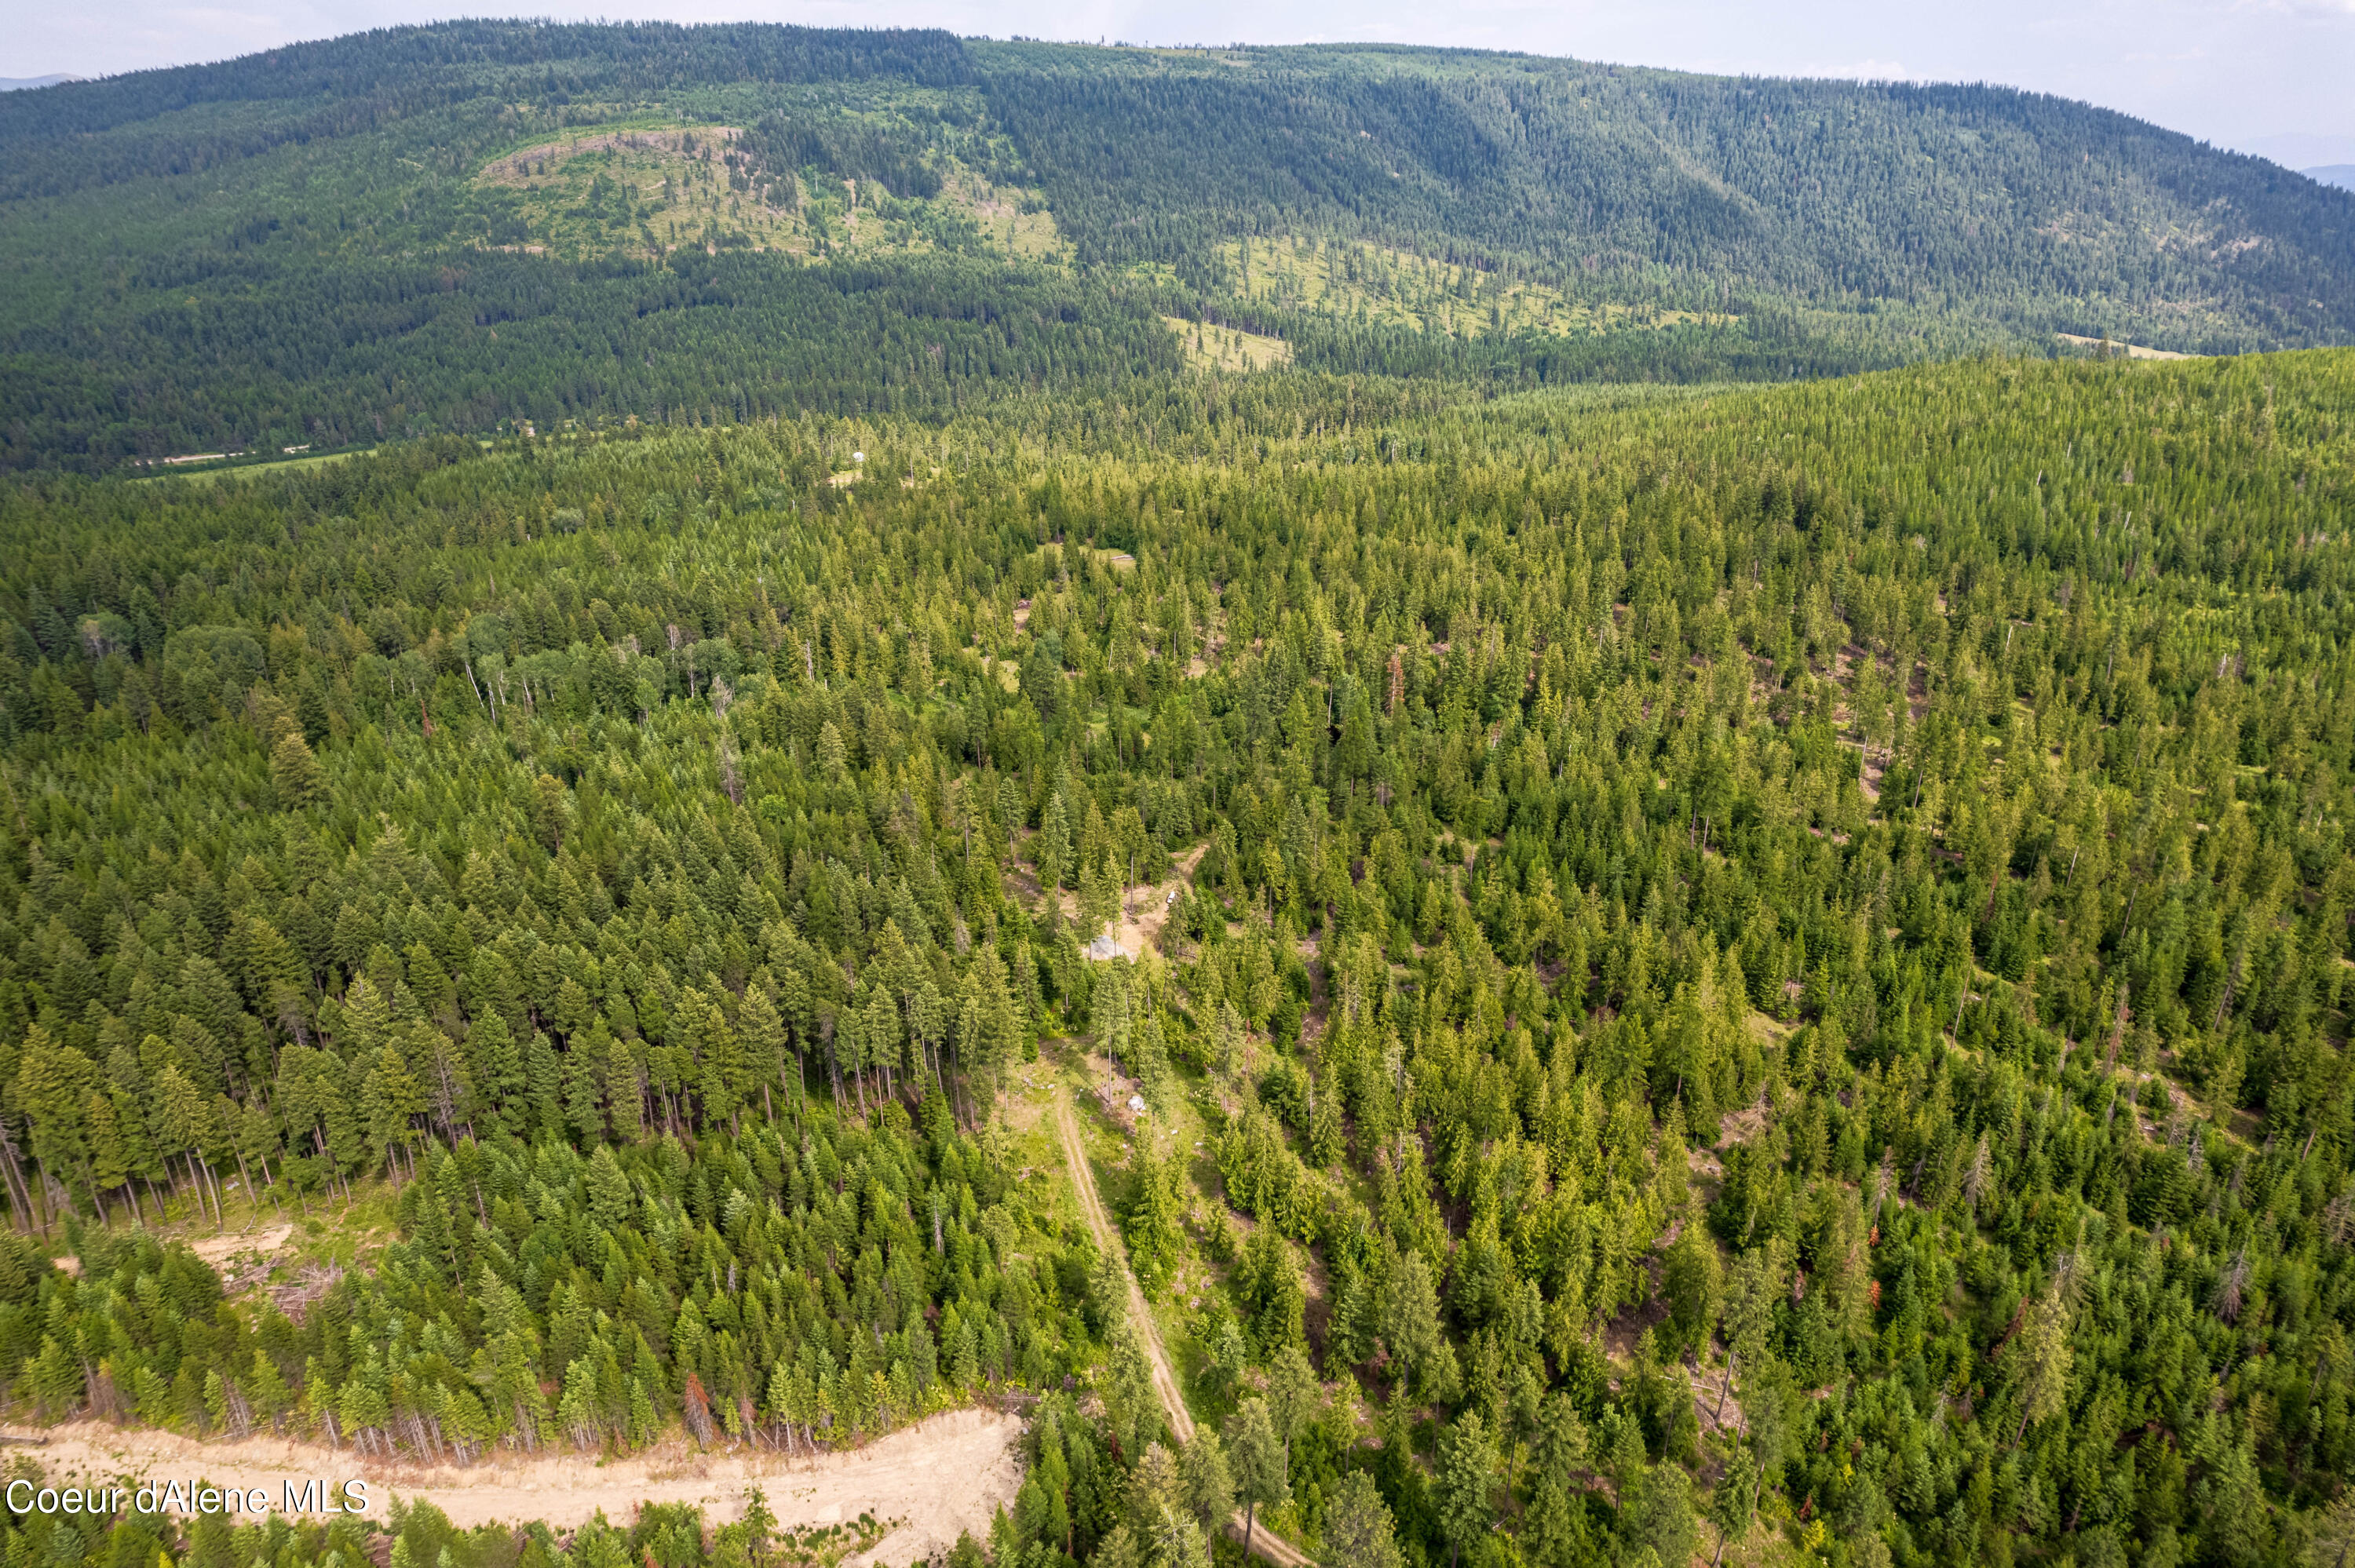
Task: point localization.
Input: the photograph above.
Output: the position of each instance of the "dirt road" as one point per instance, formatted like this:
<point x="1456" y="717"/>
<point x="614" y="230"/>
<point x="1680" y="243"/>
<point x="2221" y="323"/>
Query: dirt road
<point x="1265" y="1544"/>
<point x="1083" y="1181"/>
<point x="899" y="1478"/>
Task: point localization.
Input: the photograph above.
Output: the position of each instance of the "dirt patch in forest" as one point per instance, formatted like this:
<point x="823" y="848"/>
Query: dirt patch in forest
<point x="2128" y="350"/>
<point x="930" y="1481"/>
<point x="1146" y="911"/>
<point x="1620" y="1334"/>
<point x="1714" y="1404"/>
<point x="1113" y="1090"/>
<point x="219" y="1249"/>
<point x="241" y="1258"/>
<point x="1741" y="1126"/>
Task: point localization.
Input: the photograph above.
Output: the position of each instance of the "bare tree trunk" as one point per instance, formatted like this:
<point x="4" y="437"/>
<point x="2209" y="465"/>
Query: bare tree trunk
<point x="2117" y="1028"/>
<point x="271" y="1182"/>
<point x="252" y="1198"/>
<point x="20" y="1196"/>
<point x="41" y="1193"/>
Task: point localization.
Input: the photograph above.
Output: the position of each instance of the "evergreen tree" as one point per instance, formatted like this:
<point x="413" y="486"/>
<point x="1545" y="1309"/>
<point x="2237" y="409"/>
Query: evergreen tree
<point x="543" y="1088"/>
<point x="1465" y="1483"/>
<point x="2041" y="1359"/>
<point x="1209" y="1481"/>
<point x="295" y="771"/>
<point x="1357" y="1525"/>
<point x="1663" y="1513"/>
<point x="496" y="1068"/>
<point x="390" y="1097"/>
<point x="1693" y="1278"/>
<point x="1256" y="1459"/>
<point x="1135" y="1408"/>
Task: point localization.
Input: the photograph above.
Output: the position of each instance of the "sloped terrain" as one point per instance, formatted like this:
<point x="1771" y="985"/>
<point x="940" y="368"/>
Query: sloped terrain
<point x="476" y="225"/>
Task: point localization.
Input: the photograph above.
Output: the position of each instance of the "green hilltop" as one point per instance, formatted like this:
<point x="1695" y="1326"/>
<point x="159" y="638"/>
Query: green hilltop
<point x="477" y="224"/>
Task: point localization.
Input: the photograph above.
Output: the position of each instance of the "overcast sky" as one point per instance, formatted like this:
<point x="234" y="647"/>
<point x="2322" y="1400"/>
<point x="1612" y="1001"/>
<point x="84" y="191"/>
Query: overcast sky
<point x="2275" y="76"/>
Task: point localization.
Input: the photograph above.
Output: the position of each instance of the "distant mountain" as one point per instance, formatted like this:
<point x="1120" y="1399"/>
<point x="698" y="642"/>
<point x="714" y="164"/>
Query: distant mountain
<point x="2339" y="174"/>
<point x="476" y="223"/>
<point x="19" y="83"/>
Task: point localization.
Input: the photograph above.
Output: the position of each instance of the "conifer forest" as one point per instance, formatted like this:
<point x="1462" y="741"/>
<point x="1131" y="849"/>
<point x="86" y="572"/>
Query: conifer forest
<point x="1445" y="858"/>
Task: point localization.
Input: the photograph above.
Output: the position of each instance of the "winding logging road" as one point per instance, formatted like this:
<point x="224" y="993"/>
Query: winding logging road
<point x="1264" y="1542"/>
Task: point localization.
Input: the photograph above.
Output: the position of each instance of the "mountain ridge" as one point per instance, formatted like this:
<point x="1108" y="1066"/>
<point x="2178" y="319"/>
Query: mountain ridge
<point x="321" y="243"/>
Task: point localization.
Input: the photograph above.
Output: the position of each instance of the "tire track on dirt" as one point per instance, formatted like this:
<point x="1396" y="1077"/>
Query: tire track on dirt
<point x="1264" y="1542"/>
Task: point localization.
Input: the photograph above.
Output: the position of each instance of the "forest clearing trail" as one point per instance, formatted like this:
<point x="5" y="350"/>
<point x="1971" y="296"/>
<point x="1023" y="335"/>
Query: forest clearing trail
<point x="1264" y="1543"/>
<point x="1083" y="1181"/>
<point x="936" y="1478"/>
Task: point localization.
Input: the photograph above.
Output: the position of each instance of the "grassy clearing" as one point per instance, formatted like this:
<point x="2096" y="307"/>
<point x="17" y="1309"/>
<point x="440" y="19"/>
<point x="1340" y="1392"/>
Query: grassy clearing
<point x="1012" y="220"/>
<point x="645" y="186"/>
<point x="1212" y="347"/>
<point x="1377" y="286"/>
<point x="208" y="475"/>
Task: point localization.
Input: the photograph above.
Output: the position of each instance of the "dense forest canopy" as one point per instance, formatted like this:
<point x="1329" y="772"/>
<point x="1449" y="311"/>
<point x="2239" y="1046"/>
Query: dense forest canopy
<point x="478" y="226"/>
<point x="1756" y="970"/>
<point x="1653" y="968"/>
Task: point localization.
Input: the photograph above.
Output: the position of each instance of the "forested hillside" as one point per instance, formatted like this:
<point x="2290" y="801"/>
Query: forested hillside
<point x="478" y="226"/>
<point x="1757" y="971"/>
